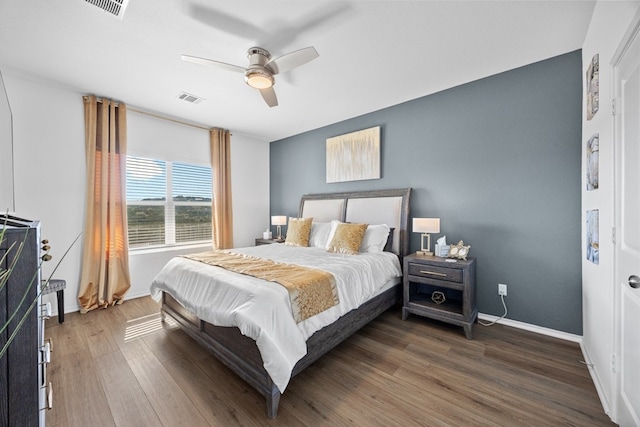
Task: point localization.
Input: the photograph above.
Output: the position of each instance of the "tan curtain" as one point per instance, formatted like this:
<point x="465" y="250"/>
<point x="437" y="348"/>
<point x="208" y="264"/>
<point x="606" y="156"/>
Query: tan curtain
<point x="221" y="212"/>
<point x="105" y="259"/>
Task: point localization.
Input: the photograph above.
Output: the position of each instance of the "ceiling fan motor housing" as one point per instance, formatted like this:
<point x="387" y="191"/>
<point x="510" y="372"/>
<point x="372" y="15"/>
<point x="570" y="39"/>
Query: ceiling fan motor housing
<point x="258" y="75"/>
<point x="258" y="55"/>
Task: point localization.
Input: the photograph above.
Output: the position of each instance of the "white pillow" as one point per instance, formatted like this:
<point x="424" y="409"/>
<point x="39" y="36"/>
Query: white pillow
<point x="375" y="238"/>
<point x="319" y="234"/>
<point x="334" y="224"/>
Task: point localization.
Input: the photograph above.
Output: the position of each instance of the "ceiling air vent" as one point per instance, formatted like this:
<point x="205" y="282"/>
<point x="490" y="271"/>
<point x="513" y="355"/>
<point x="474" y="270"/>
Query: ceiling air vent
<point x="113" y="7"/>
<point x="190" y="98"/>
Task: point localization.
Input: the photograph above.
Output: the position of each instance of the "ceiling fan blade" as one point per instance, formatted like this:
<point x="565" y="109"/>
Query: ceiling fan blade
<point x="269" y="96"/>
<point x="225" y="22"/>
<point x="292" y="60"/>
<point x="212" y="63"/>
<point x="282" y="33"/>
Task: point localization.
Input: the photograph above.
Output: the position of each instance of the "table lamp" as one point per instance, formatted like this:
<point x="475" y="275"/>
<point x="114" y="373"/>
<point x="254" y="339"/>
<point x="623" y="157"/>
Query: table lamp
<point x="279" y="221"/>
<point x="426" y="226"/>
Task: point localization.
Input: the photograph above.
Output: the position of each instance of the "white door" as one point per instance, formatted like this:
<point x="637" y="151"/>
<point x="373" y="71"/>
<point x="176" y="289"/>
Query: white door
<point x="627" y="188"/>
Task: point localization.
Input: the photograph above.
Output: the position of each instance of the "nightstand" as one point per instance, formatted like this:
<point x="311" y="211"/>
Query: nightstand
<point x="268" y="241"/>
<point x="441" y="290"/>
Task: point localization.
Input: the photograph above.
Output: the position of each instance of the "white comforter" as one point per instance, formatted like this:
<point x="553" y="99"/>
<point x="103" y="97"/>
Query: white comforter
<point x="261" y="309"/>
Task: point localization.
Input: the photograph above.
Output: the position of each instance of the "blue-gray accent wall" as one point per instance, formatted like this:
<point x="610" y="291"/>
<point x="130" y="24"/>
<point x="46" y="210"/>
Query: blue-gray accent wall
<point x="498" y="160"/>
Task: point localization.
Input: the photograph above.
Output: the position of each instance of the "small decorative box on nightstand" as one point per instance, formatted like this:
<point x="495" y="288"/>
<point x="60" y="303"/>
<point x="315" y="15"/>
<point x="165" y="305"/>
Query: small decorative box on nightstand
<point x="268" y="241"/>
<point x="441" y="290"/>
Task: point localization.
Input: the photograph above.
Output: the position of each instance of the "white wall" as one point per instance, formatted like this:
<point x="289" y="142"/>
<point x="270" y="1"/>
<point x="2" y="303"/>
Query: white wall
<point x="608" y="24"/>
<point x="48" y="141"/>
<point x="49" y="159"/>
<point x="6" y="152"/>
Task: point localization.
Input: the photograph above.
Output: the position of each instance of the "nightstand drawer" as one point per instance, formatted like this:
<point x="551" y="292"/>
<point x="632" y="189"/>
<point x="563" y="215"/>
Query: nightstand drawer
<point x="433" y="272"/>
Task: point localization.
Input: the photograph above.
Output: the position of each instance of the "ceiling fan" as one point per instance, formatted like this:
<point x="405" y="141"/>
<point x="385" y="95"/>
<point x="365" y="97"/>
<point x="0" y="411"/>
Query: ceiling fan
<point x="259" y="74"/>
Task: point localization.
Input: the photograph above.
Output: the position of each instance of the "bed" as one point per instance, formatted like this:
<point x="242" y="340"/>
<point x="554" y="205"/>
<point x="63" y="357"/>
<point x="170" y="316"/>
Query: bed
<point x="242" y="349"/>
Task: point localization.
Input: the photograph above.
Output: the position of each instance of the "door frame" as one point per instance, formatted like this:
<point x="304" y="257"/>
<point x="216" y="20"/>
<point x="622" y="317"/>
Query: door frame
<point x="629" y="37"/>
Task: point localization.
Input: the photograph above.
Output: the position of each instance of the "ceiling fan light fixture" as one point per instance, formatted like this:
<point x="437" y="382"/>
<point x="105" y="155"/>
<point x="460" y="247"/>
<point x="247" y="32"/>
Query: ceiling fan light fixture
<point x="258" y="79"/>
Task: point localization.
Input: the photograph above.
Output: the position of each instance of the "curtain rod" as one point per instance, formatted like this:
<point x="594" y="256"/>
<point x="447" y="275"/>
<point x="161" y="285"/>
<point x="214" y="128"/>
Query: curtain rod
<point x="157" y="116"/>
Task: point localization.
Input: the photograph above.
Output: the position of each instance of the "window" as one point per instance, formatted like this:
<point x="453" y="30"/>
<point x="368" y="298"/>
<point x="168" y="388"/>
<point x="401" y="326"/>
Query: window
<point x="168" y="203"/>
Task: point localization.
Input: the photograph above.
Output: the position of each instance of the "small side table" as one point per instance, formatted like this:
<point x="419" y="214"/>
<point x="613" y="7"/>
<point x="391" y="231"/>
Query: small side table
<point x="57" y="286"/>
<point x="268" y="241"/>
<point x="441" y="290"/>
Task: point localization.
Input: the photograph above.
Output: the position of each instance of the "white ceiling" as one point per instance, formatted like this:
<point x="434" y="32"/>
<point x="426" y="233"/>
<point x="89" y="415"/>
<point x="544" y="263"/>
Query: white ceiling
<point x="373" y="54"/>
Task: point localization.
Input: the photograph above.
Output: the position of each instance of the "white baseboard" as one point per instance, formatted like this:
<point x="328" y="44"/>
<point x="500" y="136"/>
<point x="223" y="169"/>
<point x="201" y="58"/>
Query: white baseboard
<point x="137" y="295"/>
<point x="604" y="401"/>
<point x="532" y="328"/>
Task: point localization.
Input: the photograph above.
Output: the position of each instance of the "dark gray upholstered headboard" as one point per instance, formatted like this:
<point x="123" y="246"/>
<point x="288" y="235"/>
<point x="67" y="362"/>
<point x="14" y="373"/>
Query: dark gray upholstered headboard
<point x="389" y="207"/>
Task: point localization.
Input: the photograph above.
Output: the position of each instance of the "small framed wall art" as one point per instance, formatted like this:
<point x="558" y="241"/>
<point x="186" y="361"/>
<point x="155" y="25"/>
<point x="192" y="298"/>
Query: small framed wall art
<point x="593" y="162"/>
<point x="593" y="87"/>
<point x="593" y="236"/>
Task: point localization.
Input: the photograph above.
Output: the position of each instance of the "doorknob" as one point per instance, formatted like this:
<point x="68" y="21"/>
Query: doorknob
<point x="634" y="281"/>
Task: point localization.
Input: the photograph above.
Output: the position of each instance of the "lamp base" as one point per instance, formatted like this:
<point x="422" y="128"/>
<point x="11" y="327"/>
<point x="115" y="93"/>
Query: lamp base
<point x="425" y="250"/>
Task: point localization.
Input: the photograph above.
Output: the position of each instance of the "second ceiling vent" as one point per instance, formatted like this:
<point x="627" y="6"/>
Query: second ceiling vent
<point x="190" y="98"/>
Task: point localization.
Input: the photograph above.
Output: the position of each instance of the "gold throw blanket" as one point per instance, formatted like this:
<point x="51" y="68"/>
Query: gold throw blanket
<point x="311" y="291"/>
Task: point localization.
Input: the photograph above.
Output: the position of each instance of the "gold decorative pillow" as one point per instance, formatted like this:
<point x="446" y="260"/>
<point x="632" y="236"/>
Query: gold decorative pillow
<point x="347" y="238"/>
<point x="298" y="232"/>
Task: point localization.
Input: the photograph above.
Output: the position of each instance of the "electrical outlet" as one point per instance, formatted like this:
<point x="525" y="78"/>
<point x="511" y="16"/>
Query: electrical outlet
<point x="502" y="289"/>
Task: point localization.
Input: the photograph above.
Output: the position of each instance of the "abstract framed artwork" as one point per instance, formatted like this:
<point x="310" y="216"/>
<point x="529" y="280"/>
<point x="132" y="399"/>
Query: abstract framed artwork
<point x="593" y="162"/>
<point x="354" y="156"/>
<point x="593" y="236"/>
<point x="593" y="87"/>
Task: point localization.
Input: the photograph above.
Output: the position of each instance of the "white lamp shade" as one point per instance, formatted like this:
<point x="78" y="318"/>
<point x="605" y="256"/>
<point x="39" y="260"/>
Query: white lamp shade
<point x="426" y="225"/>
<point x="279" y="220"/>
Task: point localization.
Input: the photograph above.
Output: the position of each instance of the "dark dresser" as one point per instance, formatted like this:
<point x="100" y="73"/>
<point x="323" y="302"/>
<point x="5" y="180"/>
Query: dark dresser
<point x="23" y="388"/>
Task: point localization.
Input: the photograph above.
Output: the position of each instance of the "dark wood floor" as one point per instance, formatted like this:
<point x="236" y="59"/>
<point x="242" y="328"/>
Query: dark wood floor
<point x="121" y="367"/>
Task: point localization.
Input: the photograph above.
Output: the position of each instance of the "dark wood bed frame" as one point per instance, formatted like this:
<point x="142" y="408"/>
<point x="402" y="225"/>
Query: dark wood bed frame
<point x="241" y="354"/>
